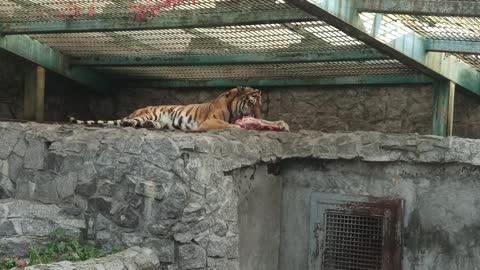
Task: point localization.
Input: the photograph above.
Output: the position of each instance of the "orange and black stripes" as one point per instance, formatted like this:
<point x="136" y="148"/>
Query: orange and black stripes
<point x="227" y="107"/>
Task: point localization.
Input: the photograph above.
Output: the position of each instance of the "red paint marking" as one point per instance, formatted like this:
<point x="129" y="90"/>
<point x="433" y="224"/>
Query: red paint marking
<point x="140" y="11"/>
<point x="91" y="11"/>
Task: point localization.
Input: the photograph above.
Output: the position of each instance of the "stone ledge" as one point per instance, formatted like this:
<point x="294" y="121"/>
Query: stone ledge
<point x="242" y="147"/>
<point x="134" y="258"/>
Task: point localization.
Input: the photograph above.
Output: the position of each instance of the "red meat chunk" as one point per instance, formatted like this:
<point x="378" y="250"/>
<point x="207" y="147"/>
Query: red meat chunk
<point x="249" y="122"/>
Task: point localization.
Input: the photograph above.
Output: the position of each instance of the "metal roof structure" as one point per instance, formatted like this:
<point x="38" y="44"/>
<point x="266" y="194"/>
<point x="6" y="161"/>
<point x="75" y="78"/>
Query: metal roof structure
<point x="189" y="43"/>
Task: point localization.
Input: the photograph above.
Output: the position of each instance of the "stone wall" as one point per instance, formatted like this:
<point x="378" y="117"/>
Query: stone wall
<point x="11" y="86"/>
<point x="393" y="109"/>
<point x="466" y="115"/>
<point x="179" y="193"/>
<point x="134" y="258"/>
<point x="62" y="96"/>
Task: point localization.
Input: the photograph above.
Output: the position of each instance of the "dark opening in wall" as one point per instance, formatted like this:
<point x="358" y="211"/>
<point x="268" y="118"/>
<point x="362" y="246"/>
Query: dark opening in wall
<point x="355" y="233"/>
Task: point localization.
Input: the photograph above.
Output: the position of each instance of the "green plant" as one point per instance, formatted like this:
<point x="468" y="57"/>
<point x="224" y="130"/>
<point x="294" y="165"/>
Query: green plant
<point x="62" y="246"/>
<point x="116" y="249"/>
<point x="8" y="263"/>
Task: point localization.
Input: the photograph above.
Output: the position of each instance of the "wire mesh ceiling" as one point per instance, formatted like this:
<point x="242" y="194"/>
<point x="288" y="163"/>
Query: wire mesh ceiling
<point x="261" y="71"/>
<point x="14" y="11"/>
<point x="431" y="27"/>
<point x="303" y="36"/>
<point x="287" y="37"/>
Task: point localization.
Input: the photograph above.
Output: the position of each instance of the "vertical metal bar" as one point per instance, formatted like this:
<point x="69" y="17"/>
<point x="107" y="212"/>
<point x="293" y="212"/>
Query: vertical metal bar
<point x="377" y="23"/>
<point x="451" y="106"/>
<point x="440" y="108"/>
<point x="34" y="93"/>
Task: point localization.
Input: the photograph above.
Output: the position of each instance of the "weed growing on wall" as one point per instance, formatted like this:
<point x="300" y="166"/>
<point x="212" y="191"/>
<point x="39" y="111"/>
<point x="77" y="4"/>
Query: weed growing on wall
<point x="7" y="264"/>
<point x="62" y="247"/>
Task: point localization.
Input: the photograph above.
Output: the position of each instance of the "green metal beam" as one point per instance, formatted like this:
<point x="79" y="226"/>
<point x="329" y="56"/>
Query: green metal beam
<point x="186" y="20"/>
<point x="409" y="49"/>
<point x="440" y="108"/>
<point x="354" y="80"/>
<point x="261" y="58"/>
<point x="467" y="47"/>
<point x="421" y="7"/>
<point x="52" y="60"/>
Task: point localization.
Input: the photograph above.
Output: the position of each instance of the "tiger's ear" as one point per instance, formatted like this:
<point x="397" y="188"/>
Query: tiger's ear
<point x="232" y="93"/>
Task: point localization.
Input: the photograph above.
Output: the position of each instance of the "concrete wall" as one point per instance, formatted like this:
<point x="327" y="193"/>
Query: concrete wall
<point x="441" y="220"/>
<point x="442" y="216"/>
<point x="259" y="216"/>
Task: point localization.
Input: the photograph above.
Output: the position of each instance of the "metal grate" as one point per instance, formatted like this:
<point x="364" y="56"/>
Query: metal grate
<point x="472" y="59"/>
<point x="259" y="71"/>
<point x="431" y="27"/>
<point x="14" y="11"/>
<point x="353" y="242"/>
<point x="287" y="37"/>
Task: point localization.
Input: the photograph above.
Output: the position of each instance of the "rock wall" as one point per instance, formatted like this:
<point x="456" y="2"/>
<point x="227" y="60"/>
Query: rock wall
<point x="134" y="258"/>
<point x="178" y="193"/>
<point x="394" y="109"/>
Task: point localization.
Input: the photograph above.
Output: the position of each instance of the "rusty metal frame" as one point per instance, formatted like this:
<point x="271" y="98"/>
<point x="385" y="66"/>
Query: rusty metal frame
<point x="391" y="209"/>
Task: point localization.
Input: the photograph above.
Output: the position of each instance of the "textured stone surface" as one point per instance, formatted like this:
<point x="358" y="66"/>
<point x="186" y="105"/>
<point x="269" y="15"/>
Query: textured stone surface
<point x="134" y="258"/>
<point x="23" y="223"/>
<point x="395" y="109"/>
<point x="176" y="194"/>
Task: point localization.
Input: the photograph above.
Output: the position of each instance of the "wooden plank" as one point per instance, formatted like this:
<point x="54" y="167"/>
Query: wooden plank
<point x="409" y="49"/>
<point x="421" y="7"/>
<point x="259" y="58"/>
<point x="34" y="93"/>
<point x="440" y="108"/>
<point x="353" y="80"/>
<point x="185" y="20"/>
<point x="451" y="106"/>
<point x="40" y="94"/>
<point x="53" y="60"/>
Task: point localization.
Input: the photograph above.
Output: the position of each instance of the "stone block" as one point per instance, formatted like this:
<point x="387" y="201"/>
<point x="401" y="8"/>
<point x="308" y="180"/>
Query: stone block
<point x="35" y="154"/>
<point x="192" y="256"/>
<point x="8" y="141"/>
<point x="163" y="248"/>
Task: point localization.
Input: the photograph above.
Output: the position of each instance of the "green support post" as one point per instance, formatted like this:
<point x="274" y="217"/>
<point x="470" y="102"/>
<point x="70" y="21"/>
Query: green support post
<point x="34" y="95"/>
<point x="443" y="103"/>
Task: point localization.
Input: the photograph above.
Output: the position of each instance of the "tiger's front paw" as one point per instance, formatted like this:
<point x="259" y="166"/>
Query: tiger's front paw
<point x="129" y="123"/>
<point x="235" y="126"/>
<point x="284" y="126"/>
<point x="151" y="124"/>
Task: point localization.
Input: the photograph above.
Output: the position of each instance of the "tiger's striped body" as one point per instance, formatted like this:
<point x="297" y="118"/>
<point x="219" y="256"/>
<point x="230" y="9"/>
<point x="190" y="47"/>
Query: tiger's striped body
<point x="220" y="113"/>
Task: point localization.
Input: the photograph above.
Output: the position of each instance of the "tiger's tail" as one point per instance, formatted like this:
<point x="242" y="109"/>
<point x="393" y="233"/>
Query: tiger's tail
<point x="118" y="122"/>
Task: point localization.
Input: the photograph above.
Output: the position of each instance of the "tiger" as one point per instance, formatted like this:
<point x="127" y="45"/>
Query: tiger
<point x="220" y="113"/>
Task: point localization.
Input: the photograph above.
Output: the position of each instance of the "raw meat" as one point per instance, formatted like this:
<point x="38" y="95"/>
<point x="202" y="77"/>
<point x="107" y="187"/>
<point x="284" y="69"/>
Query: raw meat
<point x="249" y="122"/>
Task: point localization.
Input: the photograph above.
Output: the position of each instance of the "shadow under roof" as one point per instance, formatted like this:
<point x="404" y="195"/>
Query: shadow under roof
<point x="112" y="47"/>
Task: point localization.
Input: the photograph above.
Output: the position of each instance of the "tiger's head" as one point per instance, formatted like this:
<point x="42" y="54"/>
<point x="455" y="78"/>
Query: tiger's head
<point x="245" y="101"/>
